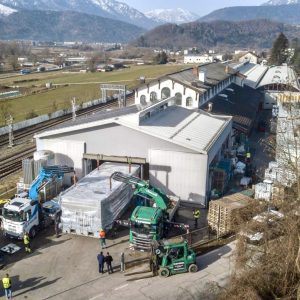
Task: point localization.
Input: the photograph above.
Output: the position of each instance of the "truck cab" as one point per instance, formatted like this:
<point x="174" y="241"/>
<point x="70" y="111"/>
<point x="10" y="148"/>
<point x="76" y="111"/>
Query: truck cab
<point x="20" y="215"/>
<point x="146" y="224"/>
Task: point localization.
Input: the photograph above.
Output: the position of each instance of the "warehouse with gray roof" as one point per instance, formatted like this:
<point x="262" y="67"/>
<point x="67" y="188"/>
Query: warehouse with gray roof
<point x="175" y="147"/>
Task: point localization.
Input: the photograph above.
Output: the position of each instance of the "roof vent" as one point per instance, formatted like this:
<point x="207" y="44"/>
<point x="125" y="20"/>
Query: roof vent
<point x="210" y="107"/>
<point x="202" y="75"/>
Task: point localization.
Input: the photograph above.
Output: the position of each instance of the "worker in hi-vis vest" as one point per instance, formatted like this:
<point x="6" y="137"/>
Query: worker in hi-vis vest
<point x="26" y="240"/>
<point x="196" y="214"/>
<point x="6" y="281"/>
<point x="102" y="237"/>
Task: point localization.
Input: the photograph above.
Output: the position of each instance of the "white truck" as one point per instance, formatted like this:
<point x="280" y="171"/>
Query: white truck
<point x="22" y="215"/>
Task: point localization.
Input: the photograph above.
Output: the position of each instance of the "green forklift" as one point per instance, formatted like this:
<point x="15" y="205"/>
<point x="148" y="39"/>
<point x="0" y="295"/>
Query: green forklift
<point x="170" y="257"/>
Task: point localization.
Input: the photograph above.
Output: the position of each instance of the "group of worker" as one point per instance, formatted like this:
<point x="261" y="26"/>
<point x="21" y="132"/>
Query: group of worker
<point x="108" y="258"/>
<point x="105" y="260"/>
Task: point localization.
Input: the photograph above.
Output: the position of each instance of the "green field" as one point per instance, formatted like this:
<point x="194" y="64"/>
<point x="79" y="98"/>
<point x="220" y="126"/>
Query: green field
<point x="82" y="86"/>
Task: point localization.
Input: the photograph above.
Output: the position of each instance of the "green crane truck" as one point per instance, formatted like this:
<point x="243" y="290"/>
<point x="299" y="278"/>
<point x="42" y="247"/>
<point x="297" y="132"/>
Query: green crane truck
<point x="152" y="222"/>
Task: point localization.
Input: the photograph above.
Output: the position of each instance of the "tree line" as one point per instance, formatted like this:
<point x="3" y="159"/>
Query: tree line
<point x="285" y="51"/>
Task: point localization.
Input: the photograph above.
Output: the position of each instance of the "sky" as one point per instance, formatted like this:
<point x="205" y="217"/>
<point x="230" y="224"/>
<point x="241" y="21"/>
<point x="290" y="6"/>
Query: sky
<point x="200" y="7"/>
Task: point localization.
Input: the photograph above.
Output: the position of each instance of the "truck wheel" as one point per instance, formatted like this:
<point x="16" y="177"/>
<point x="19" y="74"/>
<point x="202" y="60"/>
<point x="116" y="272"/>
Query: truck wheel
<point x="32" y="232"/>
<point x="163" y="272"/>
<point x="193" y="268"/>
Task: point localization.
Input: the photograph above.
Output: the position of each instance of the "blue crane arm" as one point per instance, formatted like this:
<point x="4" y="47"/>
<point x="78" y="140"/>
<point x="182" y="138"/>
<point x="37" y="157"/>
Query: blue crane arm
<point x="46" y="175"/>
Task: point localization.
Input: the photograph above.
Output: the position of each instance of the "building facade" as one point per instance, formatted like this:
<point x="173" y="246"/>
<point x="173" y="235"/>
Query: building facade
<point x="189" y="88"/>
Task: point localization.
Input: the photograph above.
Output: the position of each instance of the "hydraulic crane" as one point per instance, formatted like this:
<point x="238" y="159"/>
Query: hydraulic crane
<point x="148" y="223"/>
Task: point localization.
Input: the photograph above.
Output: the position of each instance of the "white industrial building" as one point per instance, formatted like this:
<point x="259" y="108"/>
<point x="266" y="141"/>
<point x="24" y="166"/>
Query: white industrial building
<point x="193" y="58"/>
<point x="175" y="147"/>
<point x="189" y="88"/>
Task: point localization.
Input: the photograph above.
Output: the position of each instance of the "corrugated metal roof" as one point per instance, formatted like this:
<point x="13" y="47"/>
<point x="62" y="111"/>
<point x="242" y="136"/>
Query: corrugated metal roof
<point x="192" y="129"/>
<point x="101" y="115"/>
<point x="242" y="105"/>
<point x="215" y="73"/>
<point x="280" y="75"/>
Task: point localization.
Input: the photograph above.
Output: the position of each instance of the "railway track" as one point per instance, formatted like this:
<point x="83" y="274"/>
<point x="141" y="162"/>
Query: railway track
<point x="11" y="168"/>
<point x="30" y="131"/>
<point x="13" y="163"/>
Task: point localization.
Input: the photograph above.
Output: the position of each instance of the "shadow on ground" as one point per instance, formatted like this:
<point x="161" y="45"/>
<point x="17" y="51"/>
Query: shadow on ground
<point x="213" y="256"/>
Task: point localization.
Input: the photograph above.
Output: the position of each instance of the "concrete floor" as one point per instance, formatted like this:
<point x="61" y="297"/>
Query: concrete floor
<point x="66" y="268"/>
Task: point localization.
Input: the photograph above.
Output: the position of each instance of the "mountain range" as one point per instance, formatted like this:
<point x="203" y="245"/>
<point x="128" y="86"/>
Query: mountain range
<point x="5" y="10"/>
<point x="273" y="10"/>
<point x="62" y="26"/>
<point x="103" y="8"/>
<point x="114" y="21"/>
<point x="219" y="34"/>
<point x="281" y="2"/>
<point x="172" y="15"/>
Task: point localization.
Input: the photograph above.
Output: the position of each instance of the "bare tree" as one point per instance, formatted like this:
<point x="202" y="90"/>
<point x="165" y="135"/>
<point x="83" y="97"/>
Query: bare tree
<point x="13" y="61"/>
<point x="270" y="269"/>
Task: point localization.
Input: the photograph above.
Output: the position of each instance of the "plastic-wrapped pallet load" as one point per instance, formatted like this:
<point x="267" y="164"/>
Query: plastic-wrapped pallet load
<point x="91" y="205"/>
<point x="263" y="190"/>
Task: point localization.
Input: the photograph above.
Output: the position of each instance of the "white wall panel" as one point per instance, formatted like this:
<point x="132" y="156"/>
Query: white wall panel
<point x="179" y="173"/>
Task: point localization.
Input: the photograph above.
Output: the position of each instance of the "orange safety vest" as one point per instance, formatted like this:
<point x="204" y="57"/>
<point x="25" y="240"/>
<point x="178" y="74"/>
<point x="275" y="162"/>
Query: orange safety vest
<point x="102" y="234"/>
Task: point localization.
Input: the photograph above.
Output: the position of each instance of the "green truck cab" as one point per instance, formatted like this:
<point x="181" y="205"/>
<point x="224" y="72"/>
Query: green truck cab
<point x="150" y="222"/>
<point x="146" y="224"/>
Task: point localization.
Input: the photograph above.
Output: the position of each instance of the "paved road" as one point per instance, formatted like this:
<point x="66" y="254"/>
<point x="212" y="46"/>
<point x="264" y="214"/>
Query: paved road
<point x="66" y="268"/>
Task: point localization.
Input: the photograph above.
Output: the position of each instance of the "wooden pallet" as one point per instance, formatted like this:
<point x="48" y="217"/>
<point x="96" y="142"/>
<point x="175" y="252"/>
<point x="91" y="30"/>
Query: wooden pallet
<point x="223" y="213"/>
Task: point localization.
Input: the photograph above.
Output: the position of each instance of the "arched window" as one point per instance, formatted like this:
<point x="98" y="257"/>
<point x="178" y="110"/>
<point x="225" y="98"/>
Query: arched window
<point x="153" y="96"/>
<point x="178" y="99"/>
<point x="165" y="93"/>
<point x="189" y="101"/>
<point x="143" y="100"/>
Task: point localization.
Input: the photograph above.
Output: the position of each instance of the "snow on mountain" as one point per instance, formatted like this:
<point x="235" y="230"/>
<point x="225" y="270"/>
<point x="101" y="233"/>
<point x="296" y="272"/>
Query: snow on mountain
<point x="172" y="15"/>
<point x="5" y="10"/>
<point x="104" y="8"/>
<point x="282" y="2"/>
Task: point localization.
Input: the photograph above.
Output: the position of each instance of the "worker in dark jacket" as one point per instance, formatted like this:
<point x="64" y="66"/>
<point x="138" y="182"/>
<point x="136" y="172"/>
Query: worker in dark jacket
<point x="108" y="260"/>
<point x="101" y="259"/>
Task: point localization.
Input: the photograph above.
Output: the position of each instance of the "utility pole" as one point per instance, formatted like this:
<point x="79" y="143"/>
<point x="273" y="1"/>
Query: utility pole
<point x="73" y="102"/>
<point x="10" y="131"/>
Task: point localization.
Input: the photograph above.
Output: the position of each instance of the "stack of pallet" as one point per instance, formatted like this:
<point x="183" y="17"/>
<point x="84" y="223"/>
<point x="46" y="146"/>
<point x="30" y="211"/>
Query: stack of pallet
<point x="225" y="214"/>
<point x="278" y="194"/>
